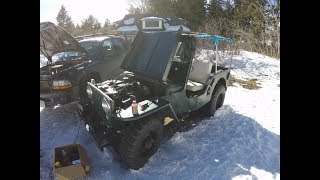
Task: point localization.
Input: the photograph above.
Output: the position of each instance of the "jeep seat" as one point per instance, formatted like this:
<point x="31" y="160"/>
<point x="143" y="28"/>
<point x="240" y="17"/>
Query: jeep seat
<point x="199" y="74"/>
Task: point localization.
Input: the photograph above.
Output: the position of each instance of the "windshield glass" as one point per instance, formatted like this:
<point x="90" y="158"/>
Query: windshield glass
<point x="67" y="55"/>
<point x="62" y="56"/>
<point x="90" y="46"/>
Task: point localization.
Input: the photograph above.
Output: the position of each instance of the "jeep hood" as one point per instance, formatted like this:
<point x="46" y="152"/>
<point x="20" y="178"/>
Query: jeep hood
<point x="54" y="39"/>
<point x="150" y="53"/>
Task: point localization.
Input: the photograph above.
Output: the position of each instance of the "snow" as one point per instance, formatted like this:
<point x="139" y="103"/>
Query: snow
<point x="256" y="173"/>
<point x="129" y="21"/>
<point x="128" y="28"/>
<point x="242" y="140"/>
<point x="166" y="25"/>
<point x="175" y="28"/>
<point x="249" y="65"/>
<point x="151" y="18"/>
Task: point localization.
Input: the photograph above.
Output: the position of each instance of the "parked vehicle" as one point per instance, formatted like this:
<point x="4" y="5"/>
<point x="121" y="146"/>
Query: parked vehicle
<point x="163" y="83"/>
<point x="64" y="78"/>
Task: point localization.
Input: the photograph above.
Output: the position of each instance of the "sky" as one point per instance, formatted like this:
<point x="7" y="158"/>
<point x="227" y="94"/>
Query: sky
<point x="113" y="10"/>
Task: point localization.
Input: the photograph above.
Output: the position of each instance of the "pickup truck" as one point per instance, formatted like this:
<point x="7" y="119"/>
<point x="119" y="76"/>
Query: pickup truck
<point x="63" y="79"/>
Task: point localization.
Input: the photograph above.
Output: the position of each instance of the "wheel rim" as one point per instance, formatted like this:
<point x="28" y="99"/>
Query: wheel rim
<point x="148" y="145"/>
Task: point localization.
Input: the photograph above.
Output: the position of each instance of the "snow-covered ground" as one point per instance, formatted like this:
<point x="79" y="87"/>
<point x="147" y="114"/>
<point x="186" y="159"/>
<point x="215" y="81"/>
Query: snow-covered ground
<point x="242" y="140"/>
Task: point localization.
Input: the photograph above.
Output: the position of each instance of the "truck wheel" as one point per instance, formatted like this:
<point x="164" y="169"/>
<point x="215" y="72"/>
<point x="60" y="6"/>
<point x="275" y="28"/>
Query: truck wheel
<point x="83" y="86"/>
<point x="140" y="142"/>
<point x="216" y="101"/>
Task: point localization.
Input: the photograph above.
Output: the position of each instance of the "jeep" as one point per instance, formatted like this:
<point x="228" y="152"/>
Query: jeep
<point x="163" y="78"/>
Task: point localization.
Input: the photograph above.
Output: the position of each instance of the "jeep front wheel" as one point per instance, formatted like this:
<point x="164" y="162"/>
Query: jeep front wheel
<point x="140" y="141"/>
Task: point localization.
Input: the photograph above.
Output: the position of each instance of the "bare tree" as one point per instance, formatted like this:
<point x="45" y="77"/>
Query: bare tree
<point x="138" y="5"/>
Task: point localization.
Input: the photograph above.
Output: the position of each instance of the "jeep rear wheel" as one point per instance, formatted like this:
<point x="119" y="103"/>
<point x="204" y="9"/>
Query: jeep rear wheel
<point x="216" y="101"/>
<point x="140" y="141"/>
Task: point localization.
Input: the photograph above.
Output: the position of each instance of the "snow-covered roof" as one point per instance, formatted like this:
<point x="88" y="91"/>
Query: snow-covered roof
<point x="151" y="18"/>
<point x="129" y="21"/>
<point x="96" y="38"/>
<point x="176" y="28"/>
<point x="132" y="22"/>
<point x="128" y="28"/>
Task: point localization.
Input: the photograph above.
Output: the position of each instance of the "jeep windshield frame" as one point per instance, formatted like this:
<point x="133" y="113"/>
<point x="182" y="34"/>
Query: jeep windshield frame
<point x="151" y="53"/>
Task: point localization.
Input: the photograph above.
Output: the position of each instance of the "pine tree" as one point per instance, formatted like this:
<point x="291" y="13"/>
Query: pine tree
<point x="161" y="7"/>
<point x="64" y="20"/>
<point x="250" y="15"/>
<point x="138" y="6"/>
<point x="106" y="24"/>
<point x="220" y="14"/>
<point x="90" y="25"/>
<point x="215" y="9"/>
<point x="106" y="27"/>
<point x="134" y="10"/>
<point x="78" y="31"/>
<point x="191" y="10"/>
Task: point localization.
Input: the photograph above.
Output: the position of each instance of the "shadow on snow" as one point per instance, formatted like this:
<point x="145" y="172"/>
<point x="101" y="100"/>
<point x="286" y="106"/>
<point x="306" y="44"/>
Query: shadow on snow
<point x="220" y="147"/>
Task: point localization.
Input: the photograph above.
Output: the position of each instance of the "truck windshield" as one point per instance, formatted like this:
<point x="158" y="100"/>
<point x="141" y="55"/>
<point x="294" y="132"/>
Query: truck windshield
<point x="91" y="47"/>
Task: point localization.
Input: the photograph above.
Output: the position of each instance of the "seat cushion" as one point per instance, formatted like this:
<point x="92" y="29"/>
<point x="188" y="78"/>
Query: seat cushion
<point x="194" y="86"/>
<point x="200" y="71"/>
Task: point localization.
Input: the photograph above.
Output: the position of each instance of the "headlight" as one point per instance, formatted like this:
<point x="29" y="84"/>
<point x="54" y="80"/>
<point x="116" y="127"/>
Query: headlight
<point x="89" y="91"/>
<point x="61" y="84"/>
<point x="106" y="106"/>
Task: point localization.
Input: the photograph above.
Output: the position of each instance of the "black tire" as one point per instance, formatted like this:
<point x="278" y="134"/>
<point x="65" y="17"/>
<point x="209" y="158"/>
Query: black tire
<point x="140" y="141"/>
<point x="216" y="101"/>
<point x="84" y="100"/>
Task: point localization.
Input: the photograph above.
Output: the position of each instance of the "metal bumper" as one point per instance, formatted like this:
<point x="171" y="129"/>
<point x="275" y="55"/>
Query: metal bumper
<point x="100" y="142"/>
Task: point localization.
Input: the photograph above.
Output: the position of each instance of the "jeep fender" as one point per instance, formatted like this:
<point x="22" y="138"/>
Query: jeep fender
<point x="165" y="110"/>
<point x="214" y="80"/>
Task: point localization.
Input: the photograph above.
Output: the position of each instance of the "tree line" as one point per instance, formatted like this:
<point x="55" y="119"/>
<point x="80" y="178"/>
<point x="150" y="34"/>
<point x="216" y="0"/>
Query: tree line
<point x="253" y="24"/>
<point x="89" y="25"/>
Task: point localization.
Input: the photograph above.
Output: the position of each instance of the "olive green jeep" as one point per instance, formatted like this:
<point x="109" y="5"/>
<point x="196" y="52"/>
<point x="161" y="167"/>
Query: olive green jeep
<point x="167" y="83"/>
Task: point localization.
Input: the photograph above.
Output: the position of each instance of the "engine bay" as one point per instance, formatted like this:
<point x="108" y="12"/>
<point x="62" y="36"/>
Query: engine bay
<point x="128" y="87"/>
